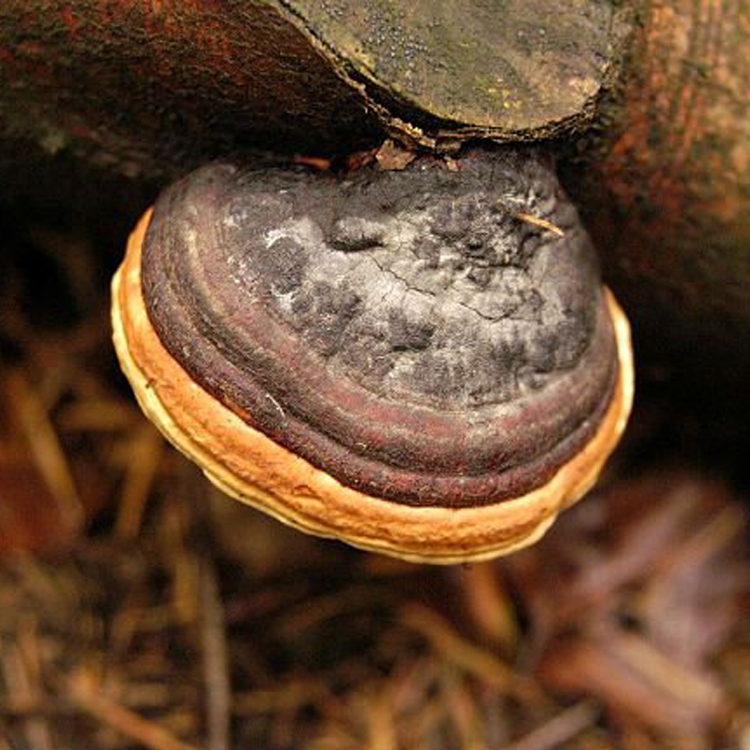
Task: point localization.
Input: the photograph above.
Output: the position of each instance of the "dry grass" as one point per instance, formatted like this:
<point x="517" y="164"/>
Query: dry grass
<point x="140" y="610"/>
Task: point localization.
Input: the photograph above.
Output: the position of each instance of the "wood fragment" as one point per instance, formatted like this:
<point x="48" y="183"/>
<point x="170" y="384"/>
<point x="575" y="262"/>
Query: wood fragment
<point x="451" y="164"/>
<point x="393" y="156"/>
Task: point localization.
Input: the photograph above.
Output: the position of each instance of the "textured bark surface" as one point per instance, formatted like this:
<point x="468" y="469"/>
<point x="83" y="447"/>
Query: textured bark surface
<point x="517" y="69"/>
<point x="664" y="184"/>
<point x="149" y="87"/>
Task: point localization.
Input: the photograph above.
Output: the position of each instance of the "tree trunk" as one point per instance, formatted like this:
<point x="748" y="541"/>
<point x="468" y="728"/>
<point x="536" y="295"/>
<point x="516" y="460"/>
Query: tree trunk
<point x="663" y="181"/>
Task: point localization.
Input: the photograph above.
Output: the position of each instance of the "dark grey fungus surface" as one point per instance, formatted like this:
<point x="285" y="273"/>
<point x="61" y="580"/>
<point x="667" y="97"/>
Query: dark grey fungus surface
<point x="410" y="332"/>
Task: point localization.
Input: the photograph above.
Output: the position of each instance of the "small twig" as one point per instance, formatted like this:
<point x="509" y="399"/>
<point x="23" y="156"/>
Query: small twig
<point x="176" y="528"/>
<point x="314" y="162"/>
<point x="144" y="462"/>
<point x="40" y="707"/>
<point x="378" y="717"/>
<point x="473" y="659"/>
<point x="45" y="447"/>
<point x="462" y="709"/>
<point x="308" y="615"/>
<point x="490" y="605"/>
<point x="215" y="659"/>
<point x="288" y="695"/>
<point x="88" y="696"/>
<point x="20" y="670"/>
<point x="210" y="612"/>
<point x="558" y="730"/>
<point x="543" y="223"/>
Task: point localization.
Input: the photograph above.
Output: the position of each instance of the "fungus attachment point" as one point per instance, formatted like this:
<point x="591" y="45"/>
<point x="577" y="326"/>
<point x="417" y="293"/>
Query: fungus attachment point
<point x="394" y="359"/>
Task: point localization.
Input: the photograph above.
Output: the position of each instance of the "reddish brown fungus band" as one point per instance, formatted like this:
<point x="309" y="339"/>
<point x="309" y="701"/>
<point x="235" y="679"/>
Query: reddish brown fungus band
<point x="404" y="331"/>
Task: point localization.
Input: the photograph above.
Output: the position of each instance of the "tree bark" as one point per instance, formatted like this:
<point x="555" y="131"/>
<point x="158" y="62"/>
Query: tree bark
<point x="149" y="82"/>
<point x="663" y="182"/>
<point x="150" y="86"/>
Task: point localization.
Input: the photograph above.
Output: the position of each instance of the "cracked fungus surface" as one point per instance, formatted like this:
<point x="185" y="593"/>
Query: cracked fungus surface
<point x="410" y="332"/>
<point x="421" y="285"/>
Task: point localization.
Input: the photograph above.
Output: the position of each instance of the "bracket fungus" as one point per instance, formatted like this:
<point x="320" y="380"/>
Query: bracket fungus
<point x="421" y="362"/>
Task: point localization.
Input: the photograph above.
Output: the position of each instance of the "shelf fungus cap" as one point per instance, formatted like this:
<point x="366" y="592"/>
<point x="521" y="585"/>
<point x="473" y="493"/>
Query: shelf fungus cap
<point x="421" y="362"/>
